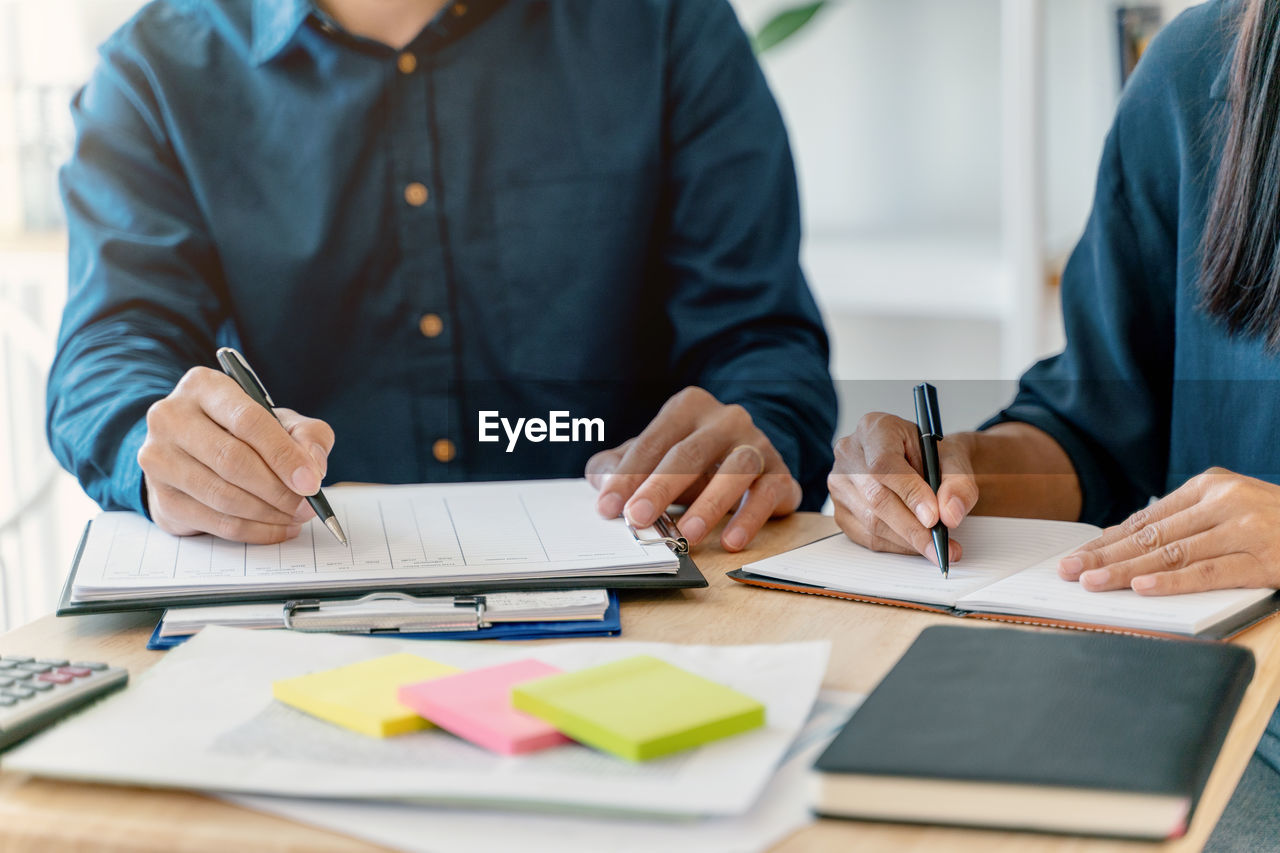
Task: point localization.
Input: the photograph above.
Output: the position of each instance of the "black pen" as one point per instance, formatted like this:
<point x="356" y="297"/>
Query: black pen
<point x="234" y="365"/>
<point x="929" y="422"/>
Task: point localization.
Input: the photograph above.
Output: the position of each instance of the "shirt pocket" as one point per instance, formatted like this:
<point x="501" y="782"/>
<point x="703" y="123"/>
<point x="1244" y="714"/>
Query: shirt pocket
<point x="573" y="256"/>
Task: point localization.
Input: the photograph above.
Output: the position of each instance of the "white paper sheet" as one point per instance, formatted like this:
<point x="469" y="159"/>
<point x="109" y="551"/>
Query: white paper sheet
<point x="782" y="809"/>
<point x="204" y="718"/>
<point x="1039" y="591"/>
<point x="993" y="548"/>
<point x="426" y="533"/>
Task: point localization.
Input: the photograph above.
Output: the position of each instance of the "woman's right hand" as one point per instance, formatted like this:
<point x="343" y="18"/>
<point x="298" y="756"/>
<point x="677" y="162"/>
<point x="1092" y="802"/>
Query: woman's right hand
<point x="881" y="498"/>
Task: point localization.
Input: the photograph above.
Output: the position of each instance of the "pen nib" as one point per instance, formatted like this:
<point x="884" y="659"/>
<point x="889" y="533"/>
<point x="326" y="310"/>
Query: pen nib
<point x="336" y="529"/>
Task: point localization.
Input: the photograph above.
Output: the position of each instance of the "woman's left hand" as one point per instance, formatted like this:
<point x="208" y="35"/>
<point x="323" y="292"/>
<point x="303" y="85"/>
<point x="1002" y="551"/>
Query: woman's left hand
<point x="1220" y="530"/>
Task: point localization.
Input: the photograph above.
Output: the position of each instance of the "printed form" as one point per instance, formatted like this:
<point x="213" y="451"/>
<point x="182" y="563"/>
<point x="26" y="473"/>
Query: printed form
<point x="396" y="533"/>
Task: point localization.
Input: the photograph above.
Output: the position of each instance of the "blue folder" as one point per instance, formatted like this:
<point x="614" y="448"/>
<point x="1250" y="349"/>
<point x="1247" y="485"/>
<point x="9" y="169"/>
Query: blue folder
<point x="610" y="626"/>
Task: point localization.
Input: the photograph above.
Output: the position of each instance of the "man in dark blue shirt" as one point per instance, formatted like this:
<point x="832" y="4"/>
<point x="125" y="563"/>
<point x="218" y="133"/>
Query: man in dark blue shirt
<point x="419" y="219"/>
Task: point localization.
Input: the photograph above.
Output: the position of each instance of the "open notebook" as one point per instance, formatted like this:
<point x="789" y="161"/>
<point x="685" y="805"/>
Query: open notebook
<point x="440" y="538"/>
<point x="1009" y="572"/>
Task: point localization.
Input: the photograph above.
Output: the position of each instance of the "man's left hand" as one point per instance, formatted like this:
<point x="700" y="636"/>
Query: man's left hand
<point x="1220" y="530"/>
<point x="706" y="455"/>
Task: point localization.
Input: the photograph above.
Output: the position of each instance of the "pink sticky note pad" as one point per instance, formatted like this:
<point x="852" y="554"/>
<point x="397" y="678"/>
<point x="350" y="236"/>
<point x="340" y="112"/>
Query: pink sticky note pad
<point x="476" y="706"/>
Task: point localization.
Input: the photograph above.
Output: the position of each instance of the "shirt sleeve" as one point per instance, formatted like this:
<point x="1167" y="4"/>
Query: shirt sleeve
<point x="1106" y="398"/>
<point x="745" y="325"/>
<point x="144" y="294"/>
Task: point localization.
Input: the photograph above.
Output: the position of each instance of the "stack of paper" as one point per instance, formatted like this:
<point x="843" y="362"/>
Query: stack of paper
<point x="441" y="533"/>
<point x="204" y="718"/>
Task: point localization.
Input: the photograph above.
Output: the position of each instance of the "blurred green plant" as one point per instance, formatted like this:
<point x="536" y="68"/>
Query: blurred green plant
<point x="785" y="24"/>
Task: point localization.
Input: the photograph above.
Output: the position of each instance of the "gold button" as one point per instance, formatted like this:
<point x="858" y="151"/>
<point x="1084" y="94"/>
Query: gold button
<point x="416" y="194"/>
<point x="431" y="325"/>
<point x="459" y="9"/>
<point x="407" y="63"/>
<point x="443" y="450"/>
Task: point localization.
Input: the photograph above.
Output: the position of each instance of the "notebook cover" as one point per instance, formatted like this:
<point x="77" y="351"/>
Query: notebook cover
<point x="362" y="696"/>
<point x="609" y="626"/>
<point x="1090" y="711"/>
<point x="639" y="708"/>
<point x="687" y="577"/>
<point x="476" y="706"/>
<point x="1228" y="628"/>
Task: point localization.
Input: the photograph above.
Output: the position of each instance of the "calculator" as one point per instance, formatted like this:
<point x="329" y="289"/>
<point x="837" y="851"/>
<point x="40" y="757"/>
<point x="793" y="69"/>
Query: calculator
<point x="37" y="692"/>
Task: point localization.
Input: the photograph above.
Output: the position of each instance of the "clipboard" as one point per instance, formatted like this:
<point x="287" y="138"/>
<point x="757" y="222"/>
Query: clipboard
<point x="609" y="626"/>
<point x="687" y="576"/>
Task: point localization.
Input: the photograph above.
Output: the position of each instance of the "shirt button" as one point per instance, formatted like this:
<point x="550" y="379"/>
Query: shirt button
<point x="431" y="325"/>
<point x="459" y="9"/>
<point x="443" y="450"/>
<point x="407" y="63"/>
<point x="416" y="194"/>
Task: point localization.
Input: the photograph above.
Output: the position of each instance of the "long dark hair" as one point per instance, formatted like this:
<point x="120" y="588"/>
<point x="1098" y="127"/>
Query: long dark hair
<point x="1240" y="254"/>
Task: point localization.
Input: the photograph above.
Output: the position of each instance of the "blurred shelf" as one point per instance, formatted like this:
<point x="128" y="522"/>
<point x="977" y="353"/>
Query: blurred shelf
<point x="933" y="275"/>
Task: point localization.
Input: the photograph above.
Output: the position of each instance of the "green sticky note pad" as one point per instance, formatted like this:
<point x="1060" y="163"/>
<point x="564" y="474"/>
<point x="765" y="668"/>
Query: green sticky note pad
<point x="638" y="708"/>
<point x="363" y="696"/>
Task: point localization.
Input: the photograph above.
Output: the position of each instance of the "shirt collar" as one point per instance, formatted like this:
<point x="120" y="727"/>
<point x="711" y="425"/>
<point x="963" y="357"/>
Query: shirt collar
<point x="274" y="24"/>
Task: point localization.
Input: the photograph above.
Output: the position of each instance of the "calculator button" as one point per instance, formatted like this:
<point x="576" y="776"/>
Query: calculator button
<point x="5" y="682"/>
<point x="21" y="691"/>
<point x="18" y="675"/>
<point x="16" y="659"/>
<point x="6" y="701"/>
<point x="54" y="678"/>
<point x="34" y="667"/>
<point x="75" y="671"/>
<point x="40" y="685"/>
<point x="51" y="661"/>
<point x="93" y="665"/>
<point x="6" y="664"/>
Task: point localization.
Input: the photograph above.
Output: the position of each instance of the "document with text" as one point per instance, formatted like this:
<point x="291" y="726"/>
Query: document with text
<point x="435" y="533"/>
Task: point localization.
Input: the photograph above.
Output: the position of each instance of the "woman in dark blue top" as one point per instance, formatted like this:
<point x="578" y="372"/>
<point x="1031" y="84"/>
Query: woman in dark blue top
<point x="1168" y="384"/>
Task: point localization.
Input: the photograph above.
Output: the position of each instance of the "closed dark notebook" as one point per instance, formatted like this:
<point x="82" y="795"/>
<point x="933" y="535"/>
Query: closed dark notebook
<point x="1079" y="733"/>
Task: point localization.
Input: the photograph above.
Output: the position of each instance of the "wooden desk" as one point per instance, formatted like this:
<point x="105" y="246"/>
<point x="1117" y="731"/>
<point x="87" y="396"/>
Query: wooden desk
<point x="38" y="815"/>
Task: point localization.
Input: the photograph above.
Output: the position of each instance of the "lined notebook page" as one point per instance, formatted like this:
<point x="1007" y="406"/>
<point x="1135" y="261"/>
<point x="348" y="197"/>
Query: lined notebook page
<point x="993" y="549"/>
<point x="1039" y="591"/>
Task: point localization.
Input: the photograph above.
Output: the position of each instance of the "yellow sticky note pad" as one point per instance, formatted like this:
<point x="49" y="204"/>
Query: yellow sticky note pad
<point x="362" y="696"/>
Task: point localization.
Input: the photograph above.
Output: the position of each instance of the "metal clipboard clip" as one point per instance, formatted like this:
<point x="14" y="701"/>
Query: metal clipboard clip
<point x="670" y="537"/>
<point x="363" y="616"/>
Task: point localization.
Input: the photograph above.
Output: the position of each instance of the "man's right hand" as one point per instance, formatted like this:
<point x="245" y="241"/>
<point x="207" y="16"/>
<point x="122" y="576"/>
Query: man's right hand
<point x="214" y="461"/>
<point x="882" y="500"/>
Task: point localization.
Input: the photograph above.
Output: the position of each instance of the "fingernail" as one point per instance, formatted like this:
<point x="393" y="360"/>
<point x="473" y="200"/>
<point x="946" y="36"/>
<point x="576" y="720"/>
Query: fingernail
<point x="1071" y="566"/>
<point x="1143" y="583"/>
<point x="610" y="505"/>
<point x="957" y="508"/>
<point x="693" y="529"/>
<point x="735" y="539"/>
<point x="1096" y="578"/>
<point x="305" y="481"/>
<point x="322" y="459"/>
<point x="922" y="513"/>
<point x="641" y="513"/>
